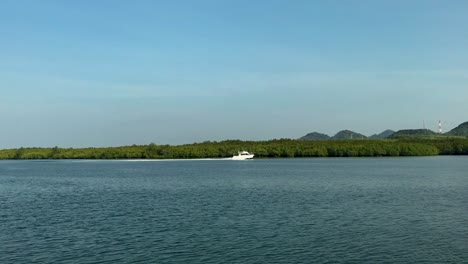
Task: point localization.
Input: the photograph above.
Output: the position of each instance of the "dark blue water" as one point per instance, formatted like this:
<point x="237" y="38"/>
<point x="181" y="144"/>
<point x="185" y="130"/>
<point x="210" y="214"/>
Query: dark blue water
<point x="384" y="210"/>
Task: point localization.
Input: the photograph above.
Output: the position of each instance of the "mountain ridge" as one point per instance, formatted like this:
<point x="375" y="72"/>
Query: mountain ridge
<point x="413" y="133"/>
<point x="315" y="136"/>
<point x="460" y="130"/>
<point x="385" y="134"/>
<point x="347" y="134"/>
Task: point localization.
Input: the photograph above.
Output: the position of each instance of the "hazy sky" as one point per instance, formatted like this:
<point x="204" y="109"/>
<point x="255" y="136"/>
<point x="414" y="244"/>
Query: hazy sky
<point x="107" y="73"/>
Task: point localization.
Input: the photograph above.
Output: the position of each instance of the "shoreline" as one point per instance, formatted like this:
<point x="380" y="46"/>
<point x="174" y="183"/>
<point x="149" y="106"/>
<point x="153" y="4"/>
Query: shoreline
<point x="280" y="148"/>
<point x="228" y="159"/>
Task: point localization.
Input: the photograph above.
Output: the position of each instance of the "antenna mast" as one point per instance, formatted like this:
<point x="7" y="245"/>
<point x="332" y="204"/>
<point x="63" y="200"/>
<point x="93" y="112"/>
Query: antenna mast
<point x="440" y="127"/>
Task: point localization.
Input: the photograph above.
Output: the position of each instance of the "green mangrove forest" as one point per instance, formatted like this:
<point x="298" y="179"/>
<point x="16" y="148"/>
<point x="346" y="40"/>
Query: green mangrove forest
<point x="278" y="148"/>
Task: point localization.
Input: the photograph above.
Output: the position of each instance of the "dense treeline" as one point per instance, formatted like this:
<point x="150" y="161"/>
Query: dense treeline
<point x="271" y="149"/>
<point x="446" y="146"/>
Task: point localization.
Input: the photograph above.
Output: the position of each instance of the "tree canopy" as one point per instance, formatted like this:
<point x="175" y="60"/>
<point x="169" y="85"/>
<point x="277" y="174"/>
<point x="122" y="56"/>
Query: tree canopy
<point x="262" y="149"/>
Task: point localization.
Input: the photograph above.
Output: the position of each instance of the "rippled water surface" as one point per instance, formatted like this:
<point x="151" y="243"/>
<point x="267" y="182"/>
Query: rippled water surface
<point x="384" y="210"/>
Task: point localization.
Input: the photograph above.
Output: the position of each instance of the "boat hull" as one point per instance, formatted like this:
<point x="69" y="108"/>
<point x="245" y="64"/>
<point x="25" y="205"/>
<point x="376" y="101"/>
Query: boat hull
<point x="243" y="157"/>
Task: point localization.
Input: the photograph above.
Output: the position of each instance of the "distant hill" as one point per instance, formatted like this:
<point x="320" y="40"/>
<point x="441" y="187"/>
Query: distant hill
<point x="461" y="130"/>
<point x="315" y="136"/>
<point x="347" y="134"/>
<point x="413" y="133"/>
<point x="387" y="133"/>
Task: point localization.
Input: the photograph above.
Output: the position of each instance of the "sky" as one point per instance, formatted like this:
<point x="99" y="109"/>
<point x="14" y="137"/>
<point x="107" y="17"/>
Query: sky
<point x="111" y="73"/>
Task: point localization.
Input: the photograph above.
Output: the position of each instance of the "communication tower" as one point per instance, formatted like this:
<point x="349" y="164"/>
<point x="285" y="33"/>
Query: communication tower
<point x="440" y="127"/>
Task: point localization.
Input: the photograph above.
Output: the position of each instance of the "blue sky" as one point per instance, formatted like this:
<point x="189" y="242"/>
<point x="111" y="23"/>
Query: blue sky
<point x="108" y="73"/>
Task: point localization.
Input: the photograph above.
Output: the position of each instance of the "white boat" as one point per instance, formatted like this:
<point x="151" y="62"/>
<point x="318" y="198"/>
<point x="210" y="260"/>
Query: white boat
<point x="243" y="155"/>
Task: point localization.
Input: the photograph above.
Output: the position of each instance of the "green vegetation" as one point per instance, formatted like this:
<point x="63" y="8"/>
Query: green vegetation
<point x="347" y="134"/>
<point x="413" y="133"/>
<point x="315" y="136"/>
<point x="461" y="130"/>
<point x="342" y="135"/>
<point x="262" y="149"/>
<point x="385" y="134"/>
<point x="445" y="145"/>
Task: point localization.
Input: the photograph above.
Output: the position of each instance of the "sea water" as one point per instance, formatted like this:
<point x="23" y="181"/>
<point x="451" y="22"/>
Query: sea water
<point x="331" y="210"/>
